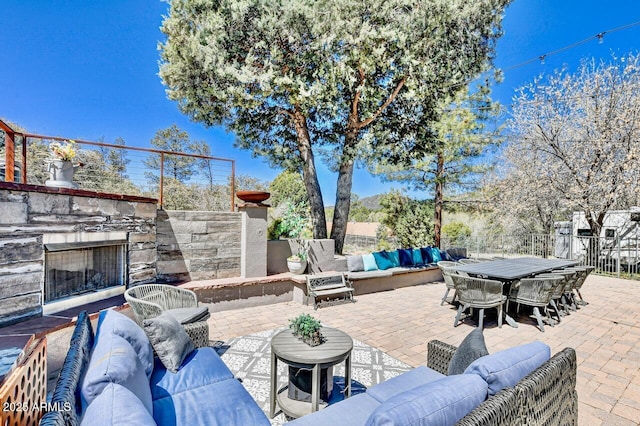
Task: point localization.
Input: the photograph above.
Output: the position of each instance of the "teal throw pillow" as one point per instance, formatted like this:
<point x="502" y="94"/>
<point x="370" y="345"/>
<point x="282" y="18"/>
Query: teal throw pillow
<point x="382" y="259"/>
<point x="369" y="262"/>
<point x="416" y="255"/>
<point x="394" y="257"/>
<point x="435" y="254"/>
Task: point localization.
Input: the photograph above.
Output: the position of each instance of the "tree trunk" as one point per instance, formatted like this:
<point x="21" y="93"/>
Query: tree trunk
<point x="438" y="199"/>
<point x="310" y="176"/>
<point x="343" y="204"/>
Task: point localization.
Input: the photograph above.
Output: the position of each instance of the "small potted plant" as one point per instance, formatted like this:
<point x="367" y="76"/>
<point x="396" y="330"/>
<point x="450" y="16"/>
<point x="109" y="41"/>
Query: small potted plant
<point x="307" y="328"/>
<point x="61" y="168"/>
<point x="297" y="262"/>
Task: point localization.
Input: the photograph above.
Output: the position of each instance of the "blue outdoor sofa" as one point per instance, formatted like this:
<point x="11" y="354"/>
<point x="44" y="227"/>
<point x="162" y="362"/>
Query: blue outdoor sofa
<point x="112" y="378"/>
<point x="517" y="386"/>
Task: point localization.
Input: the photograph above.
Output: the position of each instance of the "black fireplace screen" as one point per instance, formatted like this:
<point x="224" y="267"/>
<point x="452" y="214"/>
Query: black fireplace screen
<point x="70" y="272"/>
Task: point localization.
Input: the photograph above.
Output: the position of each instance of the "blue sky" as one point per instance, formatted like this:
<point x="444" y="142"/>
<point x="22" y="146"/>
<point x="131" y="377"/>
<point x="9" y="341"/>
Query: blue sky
<point x="86" y="70"/>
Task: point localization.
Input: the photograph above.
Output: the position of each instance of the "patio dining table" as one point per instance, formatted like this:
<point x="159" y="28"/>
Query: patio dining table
<point x="513" y="269"/>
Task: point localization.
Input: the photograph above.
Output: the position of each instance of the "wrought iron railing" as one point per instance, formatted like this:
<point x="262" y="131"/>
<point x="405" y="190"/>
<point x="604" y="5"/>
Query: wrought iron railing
<point x="619" y="257"/>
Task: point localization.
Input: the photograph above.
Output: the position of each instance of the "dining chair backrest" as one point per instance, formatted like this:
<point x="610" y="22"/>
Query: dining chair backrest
<point x="538" y="290"/>
<point x="478" y="292"/>
<point x="570" y="277"/>
<point x="581" y="274"/>
<point x="468" y="261"/>
<point x="445" y="267"/>
<point x="558" y="290"/>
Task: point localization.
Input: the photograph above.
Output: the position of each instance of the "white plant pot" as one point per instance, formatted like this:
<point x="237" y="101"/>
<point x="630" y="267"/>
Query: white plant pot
<point x="61" y="174"/>
<point x="297" y="266"/>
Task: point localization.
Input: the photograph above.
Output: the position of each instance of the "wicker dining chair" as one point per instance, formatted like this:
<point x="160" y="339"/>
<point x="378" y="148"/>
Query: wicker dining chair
<point x="150" y="300"/>
<point x="478" y="293"/>
<point x="556" y="303"/>
<point x="583" y="273"/>
<point x="536" y="292"/>
<point x="445" y="267"/>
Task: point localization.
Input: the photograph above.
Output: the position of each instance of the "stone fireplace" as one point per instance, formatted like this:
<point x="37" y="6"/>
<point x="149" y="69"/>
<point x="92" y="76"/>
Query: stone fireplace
<point x="63" y="247"/>
<point x="76" y="264"/>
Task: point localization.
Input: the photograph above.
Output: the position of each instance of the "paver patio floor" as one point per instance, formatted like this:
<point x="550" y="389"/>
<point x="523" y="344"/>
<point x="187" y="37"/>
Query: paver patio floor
<point x="605" y="335"/>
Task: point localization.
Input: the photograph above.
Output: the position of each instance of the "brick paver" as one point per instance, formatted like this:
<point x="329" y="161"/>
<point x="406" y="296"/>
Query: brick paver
<point x="605" y="335"/>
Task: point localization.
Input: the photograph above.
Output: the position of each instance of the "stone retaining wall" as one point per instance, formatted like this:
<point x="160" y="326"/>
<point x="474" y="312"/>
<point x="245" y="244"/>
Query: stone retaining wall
<point x="195" y="245"/>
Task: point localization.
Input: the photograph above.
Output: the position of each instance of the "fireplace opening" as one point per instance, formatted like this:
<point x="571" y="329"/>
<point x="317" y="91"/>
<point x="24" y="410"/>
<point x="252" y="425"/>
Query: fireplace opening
<point x="81" y="267"/>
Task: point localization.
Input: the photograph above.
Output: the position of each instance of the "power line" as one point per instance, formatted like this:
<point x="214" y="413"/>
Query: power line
<point x="599" y="37"/>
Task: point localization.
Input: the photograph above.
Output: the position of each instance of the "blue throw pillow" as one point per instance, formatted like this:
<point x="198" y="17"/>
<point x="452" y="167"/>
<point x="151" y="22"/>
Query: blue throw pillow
<point x="426" y="254"/>
<point x="369" y="262"/>
<point x="394" y="257"/>
<point x="441" y="402"/>
<point x="382" y="260"/>
<point x="406" y="257"/>
<point x="416" y="255"/>
<point x="506" y="368"/>
<point x="435" y="255"/>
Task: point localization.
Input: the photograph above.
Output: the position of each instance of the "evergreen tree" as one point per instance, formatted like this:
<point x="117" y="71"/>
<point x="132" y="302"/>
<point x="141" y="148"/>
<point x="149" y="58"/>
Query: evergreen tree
<point x="298" y="79"/>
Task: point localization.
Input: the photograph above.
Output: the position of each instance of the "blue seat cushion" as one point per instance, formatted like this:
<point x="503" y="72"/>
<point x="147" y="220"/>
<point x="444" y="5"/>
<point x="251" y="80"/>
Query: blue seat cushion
<point x="200" y="368"/>
<point x="438" y="403"/>
<point x="113" y="360"/>
<point x="352" y="411"/>
<point x="116" y="405"/>
<point x="221" y="403"/>
<point x="404" y="382"/>
<point x="114" y="322"/>
<point x="506" y="368"/>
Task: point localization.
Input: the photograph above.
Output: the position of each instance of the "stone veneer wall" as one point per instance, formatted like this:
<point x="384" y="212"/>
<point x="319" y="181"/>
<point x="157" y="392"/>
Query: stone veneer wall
<point x="195" y="245"/>
<point x="27" y="212"/>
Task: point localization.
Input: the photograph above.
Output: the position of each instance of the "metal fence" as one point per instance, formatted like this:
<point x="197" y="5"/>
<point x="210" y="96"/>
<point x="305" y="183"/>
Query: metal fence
<point x="611" y="256"/>
<point x="179" y="181"/>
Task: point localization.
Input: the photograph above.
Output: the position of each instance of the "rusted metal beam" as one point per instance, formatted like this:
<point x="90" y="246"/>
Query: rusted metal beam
<point x="9" y="152"/>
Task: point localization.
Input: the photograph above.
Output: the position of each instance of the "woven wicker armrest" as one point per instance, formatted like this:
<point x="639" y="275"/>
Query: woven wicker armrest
<point x="548" y="395"/>
<point x="142" y="309"/>
<point x="500" y="409"/>
<point x="439" y="355"/>
<point x="73" y="368"/>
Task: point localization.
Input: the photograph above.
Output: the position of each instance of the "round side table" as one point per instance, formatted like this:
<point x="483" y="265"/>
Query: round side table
<point x="292" y="351"/>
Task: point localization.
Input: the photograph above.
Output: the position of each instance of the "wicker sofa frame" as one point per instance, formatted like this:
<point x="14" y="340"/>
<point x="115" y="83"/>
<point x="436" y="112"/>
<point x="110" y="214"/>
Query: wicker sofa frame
<point x="547" y="396"/>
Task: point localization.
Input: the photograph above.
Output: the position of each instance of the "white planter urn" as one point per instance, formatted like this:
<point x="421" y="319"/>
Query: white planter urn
<point x="61" y="174"/>
<point x="296" y="266"/>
